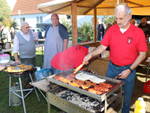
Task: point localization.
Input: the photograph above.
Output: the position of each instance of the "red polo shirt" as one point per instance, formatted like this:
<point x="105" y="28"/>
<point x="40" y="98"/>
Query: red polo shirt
<point x="124" y="47"/>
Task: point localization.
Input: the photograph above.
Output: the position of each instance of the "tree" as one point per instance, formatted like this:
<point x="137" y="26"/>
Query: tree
<point x="109" y="19"/>
<point x="85" y="32"/>
<point x="67" y="24"/>
<point x="13" y="24"/>
<point x="4" y="13"/>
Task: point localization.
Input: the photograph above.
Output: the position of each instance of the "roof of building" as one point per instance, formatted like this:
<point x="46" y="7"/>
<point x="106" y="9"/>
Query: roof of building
<point x="87" y="7"/>
<point x="27" y="6"/>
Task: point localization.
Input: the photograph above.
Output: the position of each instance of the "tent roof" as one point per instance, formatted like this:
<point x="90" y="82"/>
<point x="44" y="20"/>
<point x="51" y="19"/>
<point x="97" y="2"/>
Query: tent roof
<point x="86" y="7"/>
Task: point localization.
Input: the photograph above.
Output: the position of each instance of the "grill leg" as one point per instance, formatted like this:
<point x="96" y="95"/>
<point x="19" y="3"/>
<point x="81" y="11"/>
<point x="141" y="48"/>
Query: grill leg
<point x="106" y="104"/>
<point x="49" y="107"/>
<point x="22" y="95"/>
<point x="43" y="94"/>
<point x="9" y="90"/>
<point x="34" y="88"/>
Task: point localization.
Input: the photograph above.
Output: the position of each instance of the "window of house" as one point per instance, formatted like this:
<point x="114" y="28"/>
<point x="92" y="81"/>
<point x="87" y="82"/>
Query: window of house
<point x="22" y="19"/>
<point x="39" y="19"/>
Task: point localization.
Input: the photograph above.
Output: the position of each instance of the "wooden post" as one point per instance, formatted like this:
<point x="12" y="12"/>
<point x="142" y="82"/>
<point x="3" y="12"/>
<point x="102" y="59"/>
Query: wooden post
<point x="120" y="1"/>
<point x="74" y="23"/>
<point x="95" y="23"/>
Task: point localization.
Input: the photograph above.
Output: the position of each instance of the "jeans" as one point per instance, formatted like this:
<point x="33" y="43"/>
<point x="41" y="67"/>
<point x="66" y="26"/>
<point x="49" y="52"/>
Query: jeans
<point x="28" y="61"/>
<point x="113" y="71"/>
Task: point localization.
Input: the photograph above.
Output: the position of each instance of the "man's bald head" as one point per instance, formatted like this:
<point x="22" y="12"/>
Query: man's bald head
<point x="123" y="8"/>
<point x="123" y="15"/>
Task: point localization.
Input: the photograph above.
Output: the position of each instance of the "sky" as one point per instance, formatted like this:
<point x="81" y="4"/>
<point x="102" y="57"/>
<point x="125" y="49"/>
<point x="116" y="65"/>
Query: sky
<point x="11" y="3"/>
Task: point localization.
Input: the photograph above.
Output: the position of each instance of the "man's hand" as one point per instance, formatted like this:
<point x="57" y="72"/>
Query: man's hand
<point x="124" y="74"/>
<point x="17" y="61"/>
<point x="87" y="58"/>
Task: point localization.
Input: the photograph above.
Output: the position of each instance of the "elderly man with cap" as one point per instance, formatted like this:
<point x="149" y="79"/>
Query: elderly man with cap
<point x="24" y="45"/>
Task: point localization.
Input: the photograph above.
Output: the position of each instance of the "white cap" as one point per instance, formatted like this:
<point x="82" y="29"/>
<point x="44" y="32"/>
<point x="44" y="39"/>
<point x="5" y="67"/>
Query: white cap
<point x="141" y="99"/>
<point x="24" y="23"/>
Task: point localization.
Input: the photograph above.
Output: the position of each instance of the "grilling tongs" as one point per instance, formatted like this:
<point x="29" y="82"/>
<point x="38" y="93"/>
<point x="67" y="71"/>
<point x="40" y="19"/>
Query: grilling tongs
<point x="78" y="68"/>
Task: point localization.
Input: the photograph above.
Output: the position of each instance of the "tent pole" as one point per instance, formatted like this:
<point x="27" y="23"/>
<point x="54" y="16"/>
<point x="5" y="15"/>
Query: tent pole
<point x="120" y="1"/>
<point x="74" y="23"/>
<point x="95" y="23"/>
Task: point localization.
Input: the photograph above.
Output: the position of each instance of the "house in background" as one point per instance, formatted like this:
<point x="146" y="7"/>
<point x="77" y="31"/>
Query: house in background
<point x="26" y="10"/>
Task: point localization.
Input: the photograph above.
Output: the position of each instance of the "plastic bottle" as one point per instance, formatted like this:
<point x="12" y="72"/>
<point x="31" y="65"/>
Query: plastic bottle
<point x="38" y="74"/>
<point x="140" y="105"/>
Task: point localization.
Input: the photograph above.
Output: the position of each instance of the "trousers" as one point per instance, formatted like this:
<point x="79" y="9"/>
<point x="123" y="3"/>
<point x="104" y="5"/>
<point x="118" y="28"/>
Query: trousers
<point x="113" y="71"/>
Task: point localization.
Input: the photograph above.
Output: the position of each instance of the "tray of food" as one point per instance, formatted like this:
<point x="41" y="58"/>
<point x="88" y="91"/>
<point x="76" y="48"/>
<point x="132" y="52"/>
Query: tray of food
<point x="18" y="68"/>
<point x="87" y="83"/>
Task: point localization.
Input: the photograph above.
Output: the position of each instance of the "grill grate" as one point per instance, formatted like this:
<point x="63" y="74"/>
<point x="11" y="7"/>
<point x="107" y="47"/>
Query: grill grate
<point x="64" y="95"/>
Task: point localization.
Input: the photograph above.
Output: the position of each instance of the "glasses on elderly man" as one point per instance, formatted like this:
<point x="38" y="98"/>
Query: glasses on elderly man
<point x="27" y="27"/>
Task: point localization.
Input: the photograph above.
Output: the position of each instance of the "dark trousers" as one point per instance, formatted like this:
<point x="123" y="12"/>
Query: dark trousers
<point x="27" y="61"/>
<point x="113" y="71"/>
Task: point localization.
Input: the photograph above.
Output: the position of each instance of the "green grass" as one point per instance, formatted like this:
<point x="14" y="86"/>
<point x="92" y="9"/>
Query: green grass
<point x="32" y="104"/>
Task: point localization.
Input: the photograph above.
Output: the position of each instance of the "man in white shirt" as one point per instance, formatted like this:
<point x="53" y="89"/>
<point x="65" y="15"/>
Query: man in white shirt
<point x="24" y="45"/>
<point x="5" y="37"/>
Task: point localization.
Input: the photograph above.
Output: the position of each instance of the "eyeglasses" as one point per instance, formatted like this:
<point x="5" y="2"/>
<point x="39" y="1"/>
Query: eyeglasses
<point x="27" y="27"/>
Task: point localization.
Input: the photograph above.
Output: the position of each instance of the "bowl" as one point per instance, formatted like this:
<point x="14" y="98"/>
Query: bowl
<point x="4" y="58"/>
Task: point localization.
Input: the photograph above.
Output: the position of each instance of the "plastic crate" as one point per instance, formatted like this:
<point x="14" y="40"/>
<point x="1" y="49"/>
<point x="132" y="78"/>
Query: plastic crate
<point x="146" y="88"/>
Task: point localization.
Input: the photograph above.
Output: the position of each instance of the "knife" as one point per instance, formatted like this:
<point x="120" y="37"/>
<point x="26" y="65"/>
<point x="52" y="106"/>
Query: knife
<point x="78" y="68"/>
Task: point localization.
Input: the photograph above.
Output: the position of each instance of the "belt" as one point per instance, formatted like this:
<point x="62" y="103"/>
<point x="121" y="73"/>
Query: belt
<point x="120" y="66"/>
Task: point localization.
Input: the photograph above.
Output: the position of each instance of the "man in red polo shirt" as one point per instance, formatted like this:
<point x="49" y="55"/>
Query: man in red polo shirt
<point x="127" y="50"/>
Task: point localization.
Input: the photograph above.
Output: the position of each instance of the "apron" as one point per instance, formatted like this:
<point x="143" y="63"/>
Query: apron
<point x="53" y="44"/>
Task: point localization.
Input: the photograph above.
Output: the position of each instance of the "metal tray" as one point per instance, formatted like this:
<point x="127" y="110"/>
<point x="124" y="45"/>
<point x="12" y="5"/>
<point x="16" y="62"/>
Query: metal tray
<point x="116" y="85"/>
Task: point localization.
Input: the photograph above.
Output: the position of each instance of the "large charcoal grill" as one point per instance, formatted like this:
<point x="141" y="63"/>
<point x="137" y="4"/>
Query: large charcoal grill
<point x="59" y="95"/>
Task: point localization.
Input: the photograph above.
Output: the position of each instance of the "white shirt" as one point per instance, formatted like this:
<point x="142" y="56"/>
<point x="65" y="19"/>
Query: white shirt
<point x="16" y="41"/>
<point x="123" y="30"/>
